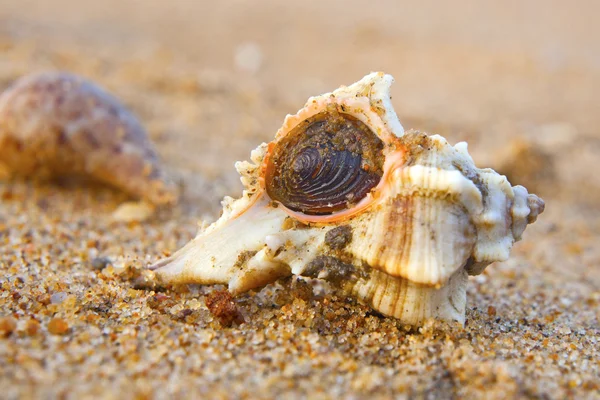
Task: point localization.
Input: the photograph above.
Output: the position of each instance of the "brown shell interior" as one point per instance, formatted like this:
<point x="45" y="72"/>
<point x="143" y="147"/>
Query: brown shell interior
<point x="334" y="153"/>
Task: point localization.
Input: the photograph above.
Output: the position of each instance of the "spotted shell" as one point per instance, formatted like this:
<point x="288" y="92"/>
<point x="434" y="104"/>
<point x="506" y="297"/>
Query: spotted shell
<point x="397" y="219"/>
<point x="59" y="124"/>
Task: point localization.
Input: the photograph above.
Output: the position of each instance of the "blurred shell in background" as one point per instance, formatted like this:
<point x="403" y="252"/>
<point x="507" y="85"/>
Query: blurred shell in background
<point x="58" y="124"/>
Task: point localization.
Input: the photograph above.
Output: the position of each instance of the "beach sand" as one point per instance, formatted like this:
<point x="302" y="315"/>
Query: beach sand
<point x="518" y="82"/>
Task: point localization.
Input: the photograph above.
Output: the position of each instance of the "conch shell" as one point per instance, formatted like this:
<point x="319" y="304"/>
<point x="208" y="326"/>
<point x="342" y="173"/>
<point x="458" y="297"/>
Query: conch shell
<point x="398" y="220"/>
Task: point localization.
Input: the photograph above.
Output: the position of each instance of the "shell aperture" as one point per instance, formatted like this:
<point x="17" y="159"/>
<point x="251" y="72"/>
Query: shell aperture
<point x="327" y="163"/>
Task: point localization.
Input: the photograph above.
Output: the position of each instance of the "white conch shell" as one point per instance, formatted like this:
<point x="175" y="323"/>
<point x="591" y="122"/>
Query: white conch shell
<point x="406" y="248"/>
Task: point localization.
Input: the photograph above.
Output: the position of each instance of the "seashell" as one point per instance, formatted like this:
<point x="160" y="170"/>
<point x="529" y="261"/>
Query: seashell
<point x="59" y="124"/>
<point x="397" y="220"/>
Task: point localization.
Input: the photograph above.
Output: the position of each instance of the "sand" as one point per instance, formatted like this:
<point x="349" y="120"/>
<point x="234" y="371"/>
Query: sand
<point x="211" y="81"/>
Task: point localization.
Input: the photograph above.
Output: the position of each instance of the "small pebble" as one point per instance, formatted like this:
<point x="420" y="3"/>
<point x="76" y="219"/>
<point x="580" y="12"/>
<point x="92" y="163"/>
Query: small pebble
<point x="133" y="212"/>
<point x="221" y="305"/>
<point x="58" y="298"/>
<point x="32" y="327"/>
<point x="7" y="326"/>
<point x="99" y="263"/>
<point x="58" y="326"/>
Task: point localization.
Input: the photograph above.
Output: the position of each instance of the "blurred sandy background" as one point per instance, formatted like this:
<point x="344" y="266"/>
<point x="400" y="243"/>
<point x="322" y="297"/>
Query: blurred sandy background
<point x="518" y="80"/>
<point x="219" y="77"/>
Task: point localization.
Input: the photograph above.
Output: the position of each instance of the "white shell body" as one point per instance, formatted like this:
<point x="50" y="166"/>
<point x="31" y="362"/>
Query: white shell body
<point x="433" y="219"/>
